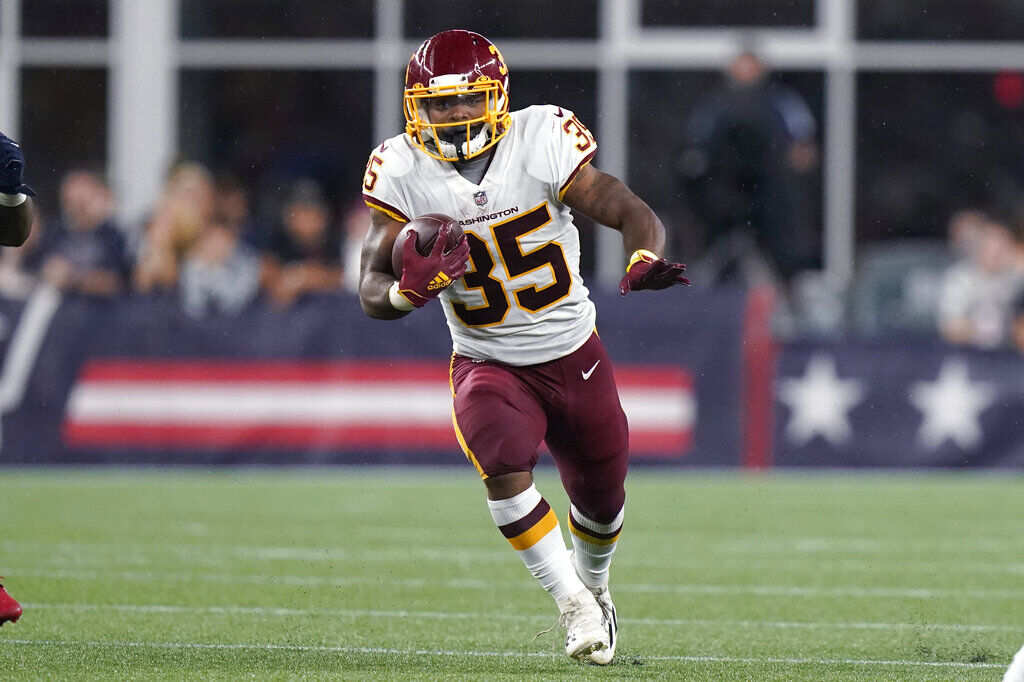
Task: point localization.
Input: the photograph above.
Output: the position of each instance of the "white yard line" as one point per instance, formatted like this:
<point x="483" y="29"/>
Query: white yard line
<point x="463" y="584"/>
<point x="774" y="544"/>
<point x="224" y="555"/>
<point x="443" y="615"/>
<point x="488" y="654"/>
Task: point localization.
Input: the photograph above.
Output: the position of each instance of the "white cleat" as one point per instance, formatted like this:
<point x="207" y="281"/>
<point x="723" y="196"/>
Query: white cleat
<point x="609" y="620"/>
<point x="610" y="624"/>
<point x="585" y="633"/>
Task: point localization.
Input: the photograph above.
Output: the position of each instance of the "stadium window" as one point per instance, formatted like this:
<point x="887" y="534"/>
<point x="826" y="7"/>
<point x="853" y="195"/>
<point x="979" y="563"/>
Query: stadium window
<point x="917" y="163"/>
<point x="727" y="13"/>
<point x="562" y="19"/>
<point x="927" y="20"/>
<point x="276" y="19"/>
<point x="272" y="127"/>
<point x="64" y="136"/>
<point x="60" y="18"/>
<point x="657" y="143"/>
<point x="574" y="90"/>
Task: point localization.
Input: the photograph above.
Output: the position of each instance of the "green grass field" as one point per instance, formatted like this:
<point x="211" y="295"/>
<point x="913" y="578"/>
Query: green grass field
<point x="359" y="574"/>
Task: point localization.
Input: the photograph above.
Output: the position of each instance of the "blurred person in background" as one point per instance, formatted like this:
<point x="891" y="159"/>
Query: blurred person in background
<point x="232" y="209"/>
<point x="16" y="216"/>
<point x="83" y="251"/>
<point x="976" y="306"/>
<point x="964" y="232"/>
<point x="1017" y="330"/>
<point x="183" y="211"/>
<point x="304" y="254"/>
<point x="185" y="248"/>
<point x="749" y="149"/>
<point x="220" y="273"/>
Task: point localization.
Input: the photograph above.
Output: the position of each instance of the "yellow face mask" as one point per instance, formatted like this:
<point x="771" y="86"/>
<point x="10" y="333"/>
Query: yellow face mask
<point x="486" y="102"/>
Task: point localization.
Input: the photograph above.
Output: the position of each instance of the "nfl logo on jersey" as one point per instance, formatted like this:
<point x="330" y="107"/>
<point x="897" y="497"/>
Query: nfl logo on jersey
<point x="480" y="198"/>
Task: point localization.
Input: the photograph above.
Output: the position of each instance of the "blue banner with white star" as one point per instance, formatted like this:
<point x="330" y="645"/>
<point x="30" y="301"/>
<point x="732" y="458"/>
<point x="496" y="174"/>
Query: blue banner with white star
<point x="858" y="404"/>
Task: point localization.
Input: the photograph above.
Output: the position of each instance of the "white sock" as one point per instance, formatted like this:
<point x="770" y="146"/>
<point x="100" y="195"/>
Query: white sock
<point x="594" y="544"/>
<point x="530" y="526"/>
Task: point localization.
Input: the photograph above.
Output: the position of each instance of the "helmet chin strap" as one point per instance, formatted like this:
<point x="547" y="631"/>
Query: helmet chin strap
<point x="466" y="149"/>
<point x="478" y="142"/>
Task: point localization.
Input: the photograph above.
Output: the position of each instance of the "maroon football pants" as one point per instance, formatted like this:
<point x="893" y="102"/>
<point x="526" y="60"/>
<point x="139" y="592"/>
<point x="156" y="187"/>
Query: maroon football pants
<point x="502" y="413"/>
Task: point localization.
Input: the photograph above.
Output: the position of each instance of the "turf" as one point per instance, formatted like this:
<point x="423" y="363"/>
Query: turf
<point x="368" y="573"/>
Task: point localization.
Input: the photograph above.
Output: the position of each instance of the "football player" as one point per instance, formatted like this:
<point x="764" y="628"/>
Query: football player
<point x="16" y="213"/>
<point x="16" y="218"/>
<point x="527" y="364"/>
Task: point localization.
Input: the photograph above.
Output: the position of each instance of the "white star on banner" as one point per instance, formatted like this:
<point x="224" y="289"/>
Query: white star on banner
<point x="951" y="406"/>
<point x="820" y="403"/>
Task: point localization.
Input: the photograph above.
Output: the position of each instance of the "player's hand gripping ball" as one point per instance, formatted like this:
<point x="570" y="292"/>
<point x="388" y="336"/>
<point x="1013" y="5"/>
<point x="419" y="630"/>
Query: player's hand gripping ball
<point x="430" y="254"/>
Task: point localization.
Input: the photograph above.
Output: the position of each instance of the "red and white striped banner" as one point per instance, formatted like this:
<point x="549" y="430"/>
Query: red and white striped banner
<point x="324" y="405"/>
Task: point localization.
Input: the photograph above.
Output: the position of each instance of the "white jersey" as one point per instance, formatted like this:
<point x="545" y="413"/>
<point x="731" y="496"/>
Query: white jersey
<point x="522" y="302"/>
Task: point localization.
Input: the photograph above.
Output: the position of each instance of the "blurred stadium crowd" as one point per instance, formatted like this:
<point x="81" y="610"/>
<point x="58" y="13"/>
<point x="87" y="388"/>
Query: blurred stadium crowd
<point x="200" y="242"/>
<point x="746" y="175"/>
<point x="203" y="243"/>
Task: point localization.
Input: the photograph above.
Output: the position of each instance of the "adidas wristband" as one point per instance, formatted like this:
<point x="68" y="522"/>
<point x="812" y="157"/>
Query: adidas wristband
<point x="398" y="301"/>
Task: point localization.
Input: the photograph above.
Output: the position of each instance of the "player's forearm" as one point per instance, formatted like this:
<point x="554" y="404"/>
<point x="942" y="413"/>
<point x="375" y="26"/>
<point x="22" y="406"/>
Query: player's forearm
<point x="607" y="200"/>
<point x="16" y="223"/>
<point x="375" y="297"/>
<point x="641" y="229"/>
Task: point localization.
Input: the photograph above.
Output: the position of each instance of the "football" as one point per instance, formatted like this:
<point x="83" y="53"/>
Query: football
<point x="426" y="228"/>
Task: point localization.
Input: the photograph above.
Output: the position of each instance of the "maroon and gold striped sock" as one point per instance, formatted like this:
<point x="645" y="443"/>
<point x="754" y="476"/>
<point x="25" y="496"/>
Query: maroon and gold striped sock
<point x="594" y="544"/>
<point x="531" y="527"/>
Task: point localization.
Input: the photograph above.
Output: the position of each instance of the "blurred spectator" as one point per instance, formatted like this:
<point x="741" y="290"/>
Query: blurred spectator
<point x="232" y="209"/>
<point x="964" y="231"/>
<point x="355" y="222"/>
<point x="183" y="211"/>
<point x="220" y="273"/>
<point x="1018" y="323"/>
<point x="750" y="145"/>
<point x="304" y="255"/>
<point x="82" y="251"/>
<point x="976" y="307"/>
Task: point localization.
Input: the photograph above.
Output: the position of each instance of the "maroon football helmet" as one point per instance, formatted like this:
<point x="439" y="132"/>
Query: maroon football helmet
<point x="456" y="63"/>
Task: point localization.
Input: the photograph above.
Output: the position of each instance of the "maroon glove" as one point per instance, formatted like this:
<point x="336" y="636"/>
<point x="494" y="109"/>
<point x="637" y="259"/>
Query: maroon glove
<point x="424" y="277"/>
<point x="647" y="271"/>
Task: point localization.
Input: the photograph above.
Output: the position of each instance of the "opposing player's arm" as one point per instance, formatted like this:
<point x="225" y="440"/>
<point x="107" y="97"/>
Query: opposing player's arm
<point x="16" y="213"/>
<point x="375" y="276"/>
<point x="606" y="199"/>
<point x="16" y="223"/>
